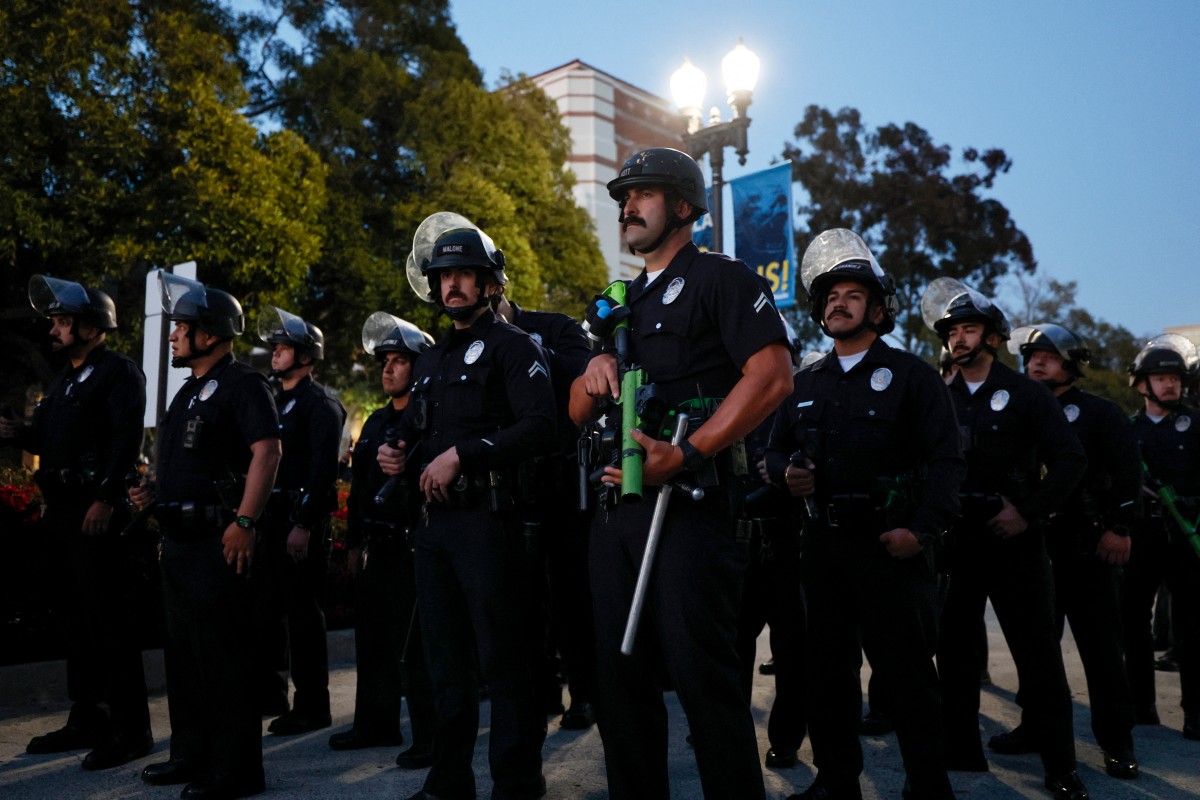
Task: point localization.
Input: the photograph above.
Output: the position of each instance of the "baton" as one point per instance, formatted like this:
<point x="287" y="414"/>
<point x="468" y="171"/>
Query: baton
<point x="656" y="524"/>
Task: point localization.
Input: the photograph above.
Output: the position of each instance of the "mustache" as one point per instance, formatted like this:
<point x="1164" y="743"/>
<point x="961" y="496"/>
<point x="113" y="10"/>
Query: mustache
<point x="632" y="220"/>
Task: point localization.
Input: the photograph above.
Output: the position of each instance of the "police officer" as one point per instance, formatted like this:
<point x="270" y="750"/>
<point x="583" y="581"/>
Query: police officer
<point x="705" y="329"/>
<point x="1023" y="460"/>
<point x="387" y="639"/>
<point x="482" y="403"/>
<point x="1168" y="433"/>
<point x="1088" y="541"/>
<point x="88" y="431"/>
<point x="218" y="450"/>
<point x="558" y="531"/>
<point x="869" y="437"/>
<point x="292" y="553"/>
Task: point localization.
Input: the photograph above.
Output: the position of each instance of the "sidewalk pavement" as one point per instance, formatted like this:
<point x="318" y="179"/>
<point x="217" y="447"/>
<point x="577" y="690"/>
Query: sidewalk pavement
<point x="32" y="701"/>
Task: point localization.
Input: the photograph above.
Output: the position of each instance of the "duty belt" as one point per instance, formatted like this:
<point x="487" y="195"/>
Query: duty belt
<point x="377" y="530"/>
<point x="187" y="520"/>
<point x="853" y="511"/>
<point x="980" y="505"/>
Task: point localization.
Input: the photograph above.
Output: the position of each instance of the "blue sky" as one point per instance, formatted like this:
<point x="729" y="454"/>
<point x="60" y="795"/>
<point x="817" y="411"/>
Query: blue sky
<point x="1097" y="103"/>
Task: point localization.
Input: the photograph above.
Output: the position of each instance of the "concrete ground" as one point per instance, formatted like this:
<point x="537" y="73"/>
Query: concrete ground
<point x="32" y="701"/>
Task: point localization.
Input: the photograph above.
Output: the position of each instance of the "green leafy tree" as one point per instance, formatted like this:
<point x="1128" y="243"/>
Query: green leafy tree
<point x="126" y="149"/>
<point x="897" y="188"/>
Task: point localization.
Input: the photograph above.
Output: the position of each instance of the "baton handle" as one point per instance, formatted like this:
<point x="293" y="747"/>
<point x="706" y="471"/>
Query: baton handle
<point x="656" y="524"/>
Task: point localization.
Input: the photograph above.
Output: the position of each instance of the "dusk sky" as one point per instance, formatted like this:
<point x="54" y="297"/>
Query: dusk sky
<point x="1097" y="103"/>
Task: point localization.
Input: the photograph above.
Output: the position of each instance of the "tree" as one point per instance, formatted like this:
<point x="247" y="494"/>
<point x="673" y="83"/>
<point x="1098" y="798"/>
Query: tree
<point x="386" y="93"/>
<point x="895" y="188"/>
<point x="125" y="150"/>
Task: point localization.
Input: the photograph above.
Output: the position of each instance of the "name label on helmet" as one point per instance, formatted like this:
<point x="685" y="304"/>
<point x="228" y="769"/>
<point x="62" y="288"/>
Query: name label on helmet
<point x="1072" y="412"/>
<point x="450" y="248"/>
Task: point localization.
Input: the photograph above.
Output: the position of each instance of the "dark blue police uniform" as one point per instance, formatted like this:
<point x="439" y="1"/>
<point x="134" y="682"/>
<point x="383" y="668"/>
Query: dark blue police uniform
<point x="562" y="597"/>
<point x="389" y="657"/>
<point x="884" y="440"/>
<point x="1170" y="449"/>
<point x="486" y="391"/>
<point x="87" y="429"/>
<point x="692" y="330"/>
<point x="203" y="453"/>
<point x="1013" y="431"/>
<point x="290" y="608"/>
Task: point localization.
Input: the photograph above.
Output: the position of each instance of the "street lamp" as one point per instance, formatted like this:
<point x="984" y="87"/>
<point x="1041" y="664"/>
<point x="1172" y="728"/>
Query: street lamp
<point x="740" y="70"/>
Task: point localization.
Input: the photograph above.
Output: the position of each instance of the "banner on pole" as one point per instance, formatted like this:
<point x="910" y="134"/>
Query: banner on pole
<point x="762" y="228"/>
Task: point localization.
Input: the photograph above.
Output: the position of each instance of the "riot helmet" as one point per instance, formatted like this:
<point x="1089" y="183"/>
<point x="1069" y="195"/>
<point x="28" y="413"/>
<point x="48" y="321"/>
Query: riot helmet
<point x="384" y="333"/>
<point x="276" y="326"/>
<point x="426" y="234"/>
<point x="469" y="248"/>
<point x="213" y="311"/>
<point x="1165" y="354"/>
<point x="663" y="166"/>
<point x="676" y="172"/>
<point x="54" y="297"/>
<point x="947" y="302"/>
<point x="839" y="254"/>
<point x="1051" y="338"/>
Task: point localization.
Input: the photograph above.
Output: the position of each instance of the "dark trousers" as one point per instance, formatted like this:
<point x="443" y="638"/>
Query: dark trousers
<point x="1087" y="593"/>
<point x="387" y="646"/>
<point x="290" y="617"/>
<point x="1016" y="575"/>
<point x="861" y="599"/>
<point x="565" y="543"/>
<point x="689" y="631"/>
<point x="773" y="596"/>
<point x="471" y="595"/>
<point x="1155" y="558"/>
<point x="215" y="722"/>
<point x="95" y="604"/>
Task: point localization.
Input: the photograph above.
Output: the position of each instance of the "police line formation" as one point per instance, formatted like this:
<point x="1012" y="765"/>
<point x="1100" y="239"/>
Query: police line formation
<point x="638" y="493"/>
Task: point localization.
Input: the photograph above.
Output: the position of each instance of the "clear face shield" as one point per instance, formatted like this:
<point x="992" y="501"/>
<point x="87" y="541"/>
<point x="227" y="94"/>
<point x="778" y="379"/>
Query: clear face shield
<point x="276" y="326"/>
<point x="181" y="297"/>
<point x="944" y="295"/>
<point x="383" y="330"/>
<point x="53" y="296"/>
<point x="831" y="249"/>
<point x="1174" y="342"/>
<point x="427" y="233"/>
<point x="1063" y="341"/>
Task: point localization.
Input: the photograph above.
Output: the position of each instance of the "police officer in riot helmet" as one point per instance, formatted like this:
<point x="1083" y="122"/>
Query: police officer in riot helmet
<point x="218" y="451"/>
<point x="869" y="439"/>
<point x="482" y="402"/>
<point x="389" y="657"/>
<point x="1089" y="540"/>
<point x="293" y="544"/>
<point x="1168" y="435"/>
<point x="87" y="431"/>
<point x="705" y="330"/>
<point x="1023" y="460"/>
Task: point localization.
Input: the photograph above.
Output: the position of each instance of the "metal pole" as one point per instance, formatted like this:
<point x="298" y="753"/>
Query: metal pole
<point x="716" y="157"/>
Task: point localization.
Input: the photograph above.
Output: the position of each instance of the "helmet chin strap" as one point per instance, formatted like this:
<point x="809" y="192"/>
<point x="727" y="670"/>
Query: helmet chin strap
<point x="460" y="313"/>
<point x="1169" y="405"/>
<point x="194" y="352"/>
<point x="673" y="225"/>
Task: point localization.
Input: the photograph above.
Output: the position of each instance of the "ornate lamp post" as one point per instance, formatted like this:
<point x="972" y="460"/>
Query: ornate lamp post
<point x="740" y="70"/>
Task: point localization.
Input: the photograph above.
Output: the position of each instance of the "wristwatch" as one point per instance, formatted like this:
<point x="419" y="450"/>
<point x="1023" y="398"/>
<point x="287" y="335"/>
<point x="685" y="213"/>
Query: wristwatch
<point x="693" y="459"/>
<point x="245" y="523"/>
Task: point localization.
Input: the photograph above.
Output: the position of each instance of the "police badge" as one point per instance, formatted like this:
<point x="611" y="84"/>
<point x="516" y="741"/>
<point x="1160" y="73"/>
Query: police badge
<point x="673" y="290"/>
<point x="1182" y="423"/>
<point x="999" y="400"/>
<point x="1072" y="412"/>
<point x="473" y="352"/>
<point x="208" y="390"/>
<point x="881" y="379"/>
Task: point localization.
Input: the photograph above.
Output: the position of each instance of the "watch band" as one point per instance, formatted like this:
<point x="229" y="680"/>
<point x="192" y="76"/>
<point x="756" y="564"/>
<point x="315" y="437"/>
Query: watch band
<point x="244" y="522"/>
<point x="693" y="459"/>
